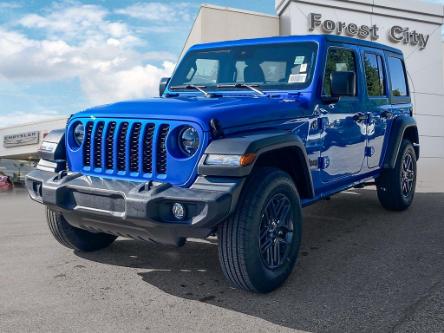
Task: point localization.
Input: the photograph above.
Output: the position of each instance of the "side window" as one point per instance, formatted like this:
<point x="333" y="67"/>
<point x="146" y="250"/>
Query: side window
<point x="374" y="75"/>
<point x="398" y="77"/>
<point x="203" y="72"/>
<point x="338" y="60"/>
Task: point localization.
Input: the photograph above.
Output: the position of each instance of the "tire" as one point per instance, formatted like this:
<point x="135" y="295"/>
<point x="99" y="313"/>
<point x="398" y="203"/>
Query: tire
<point x="242" y="236"/>
<point x="75" y="238"/>
<point x="396" y="187"/>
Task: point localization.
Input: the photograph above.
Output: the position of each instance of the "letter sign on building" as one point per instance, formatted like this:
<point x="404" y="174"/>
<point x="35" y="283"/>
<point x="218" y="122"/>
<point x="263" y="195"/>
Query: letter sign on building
<point x="22" y="139"/>
<point x="397" y="34"/>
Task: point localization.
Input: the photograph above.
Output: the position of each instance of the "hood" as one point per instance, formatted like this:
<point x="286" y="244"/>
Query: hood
<point x="230" y="112"/>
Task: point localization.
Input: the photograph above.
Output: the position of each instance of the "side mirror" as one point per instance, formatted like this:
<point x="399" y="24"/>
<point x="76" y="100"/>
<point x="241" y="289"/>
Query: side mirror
<point x="162" y="85"/>
<point x="343" y="84"/>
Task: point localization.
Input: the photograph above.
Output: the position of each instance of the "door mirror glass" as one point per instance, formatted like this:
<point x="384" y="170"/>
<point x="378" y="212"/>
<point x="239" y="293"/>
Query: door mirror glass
<point x="343" y="84"/>
<point x="163" y="84"/>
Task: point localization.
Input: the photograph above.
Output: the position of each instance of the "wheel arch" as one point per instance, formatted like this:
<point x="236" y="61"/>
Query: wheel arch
<point x="403" y="127"/>
<point x="279" y="149"/>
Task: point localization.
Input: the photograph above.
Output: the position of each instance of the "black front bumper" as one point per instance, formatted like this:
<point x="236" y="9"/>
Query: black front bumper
<point x="133" y="209"/>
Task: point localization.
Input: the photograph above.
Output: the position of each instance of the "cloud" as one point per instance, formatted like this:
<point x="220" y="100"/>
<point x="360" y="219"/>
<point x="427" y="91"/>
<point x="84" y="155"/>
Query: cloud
<point x="81" y="41"/>
<point x="159" y="12"/>
<point x="133" y="83"/>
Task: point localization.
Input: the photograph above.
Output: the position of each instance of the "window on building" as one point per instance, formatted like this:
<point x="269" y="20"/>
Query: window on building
<point x="398" y="77"/>
<point x="374" y="75"/>
<point x="338" y="60"/>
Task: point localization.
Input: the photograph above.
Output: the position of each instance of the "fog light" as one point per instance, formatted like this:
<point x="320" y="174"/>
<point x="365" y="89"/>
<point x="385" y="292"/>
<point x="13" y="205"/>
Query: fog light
<point x="178" y="211"/>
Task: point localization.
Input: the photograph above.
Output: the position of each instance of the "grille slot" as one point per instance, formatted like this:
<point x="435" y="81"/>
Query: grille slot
<point x="109" y="145"/>
<point x="121" y="147"/>
<point x="134" y="147"/>
<point x="87" y="144"/>
<point x="148" y="148"/>
<point x="161" y="156"/>
<point x="98" y="137"/>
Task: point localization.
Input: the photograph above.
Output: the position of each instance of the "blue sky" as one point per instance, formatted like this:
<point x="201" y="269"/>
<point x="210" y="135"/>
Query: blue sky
<point x="58" y="57"/>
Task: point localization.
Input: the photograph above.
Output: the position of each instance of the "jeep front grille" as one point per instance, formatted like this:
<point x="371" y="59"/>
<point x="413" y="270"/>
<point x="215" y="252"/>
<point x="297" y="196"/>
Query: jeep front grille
<point x="125" y="147"/>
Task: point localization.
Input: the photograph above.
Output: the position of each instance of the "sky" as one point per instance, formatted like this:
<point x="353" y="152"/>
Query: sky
<point x="60" y="57"/>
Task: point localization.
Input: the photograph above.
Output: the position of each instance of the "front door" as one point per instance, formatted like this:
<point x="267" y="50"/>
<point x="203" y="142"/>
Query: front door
<point x="344" y="139"/>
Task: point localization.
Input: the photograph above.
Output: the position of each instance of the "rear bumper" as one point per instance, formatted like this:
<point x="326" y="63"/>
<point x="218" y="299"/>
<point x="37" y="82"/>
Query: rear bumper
<point x="134" y="209"/>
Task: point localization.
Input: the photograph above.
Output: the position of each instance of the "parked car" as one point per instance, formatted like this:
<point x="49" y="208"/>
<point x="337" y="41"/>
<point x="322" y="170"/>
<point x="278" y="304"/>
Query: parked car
<point x="244" y="135"/>
<point x="5" y="183"/>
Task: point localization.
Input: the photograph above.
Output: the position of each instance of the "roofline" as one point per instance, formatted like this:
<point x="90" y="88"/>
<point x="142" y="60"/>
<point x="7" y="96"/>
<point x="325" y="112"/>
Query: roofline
<point x="295" y="38"/>
<point x="35" y="122"/>
<point x="237" y="10"/>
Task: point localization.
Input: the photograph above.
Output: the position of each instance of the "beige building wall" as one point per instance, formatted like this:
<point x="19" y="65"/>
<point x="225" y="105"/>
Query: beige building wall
<point x="214" y="23"/>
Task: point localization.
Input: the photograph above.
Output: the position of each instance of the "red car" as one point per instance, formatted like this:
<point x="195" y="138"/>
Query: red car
<point x="5" y="184"/>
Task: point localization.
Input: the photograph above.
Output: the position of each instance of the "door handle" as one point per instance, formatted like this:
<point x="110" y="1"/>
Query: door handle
<point x="387" y="114"/>
<point x="360" y="116"/>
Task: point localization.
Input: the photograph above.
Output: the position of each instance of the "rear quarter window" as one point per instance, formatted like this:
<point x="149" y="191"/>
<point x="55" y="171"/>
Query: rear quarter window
<point x="398" y="77"/>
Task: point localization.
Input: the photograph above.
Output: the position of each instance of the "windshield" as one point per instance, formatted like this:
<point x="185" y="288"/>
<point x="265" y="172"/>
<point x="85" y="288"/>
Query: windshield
<point x="271" y="67"/>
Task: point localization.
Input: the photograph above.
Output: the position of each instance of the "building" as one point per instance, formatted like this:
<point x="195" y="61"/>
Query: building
<point x="411" y="25"/>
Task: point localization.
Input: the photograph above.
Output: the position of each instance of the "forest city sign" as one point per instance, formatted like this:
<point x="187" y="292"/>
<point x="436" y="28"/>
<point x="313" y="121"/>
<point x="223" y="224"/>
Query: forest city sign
<point x="397" y="34"/>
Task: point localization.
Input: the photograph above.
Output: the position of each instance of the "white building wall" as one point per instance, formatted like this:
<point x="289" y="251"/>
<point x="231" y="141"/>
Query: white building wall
<point x="425" y="67"/>
<point x="27" y="152"/>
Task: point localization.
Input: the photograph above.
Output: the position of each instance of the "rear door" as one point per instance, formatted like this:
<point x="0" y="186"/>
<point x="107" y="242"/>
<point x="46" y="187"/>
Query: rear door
<point x="377" y="104"/>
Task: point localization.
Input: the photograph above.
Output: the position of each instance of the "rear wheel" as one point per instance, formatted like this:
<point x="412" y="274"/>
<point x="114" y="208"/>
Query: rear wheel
<point x="396" y="187"/>
<point x="75" y="238"/>
<point x="258" y="245"/>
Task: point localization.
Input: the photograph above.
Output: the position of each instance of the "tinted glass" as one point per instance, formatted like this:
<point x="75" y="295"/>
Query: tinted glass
<point x="277" y="66"/>
<point x="374" y="74"/>
<point x="398" y="77"/>
<point x="338" y="60"/>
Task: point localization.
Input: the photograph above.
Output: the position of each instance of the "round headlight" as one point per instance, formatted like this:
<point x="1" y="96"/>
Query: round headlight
<point x="79" y="133"/>
<point x="189" y="140"/>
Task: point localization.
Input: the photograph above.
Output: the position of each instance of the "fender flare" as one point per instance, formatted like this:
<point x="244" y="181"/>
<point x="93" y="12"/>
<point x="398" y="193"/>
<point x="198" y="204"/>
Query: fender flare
<point x="53" y="152"/>
<point x="401" y="125"/>
<point x="257" y="143"/>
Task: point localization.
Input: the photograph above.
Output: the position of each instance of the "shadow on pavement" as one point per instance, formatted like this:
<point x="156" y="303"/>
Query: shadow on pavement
<point x="360" y="268"/>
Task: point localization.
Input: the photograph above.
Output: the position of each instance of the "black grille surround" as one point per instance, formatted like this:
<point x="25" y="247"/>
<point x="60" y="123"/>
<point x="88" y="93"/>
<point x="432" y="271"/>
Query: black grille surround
<point x="138" y="150"/>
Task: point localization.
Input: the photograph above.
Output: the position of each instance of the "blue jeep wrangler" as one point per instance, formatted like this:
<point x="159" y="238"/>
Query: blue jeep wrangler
<point x="244" y="135"/>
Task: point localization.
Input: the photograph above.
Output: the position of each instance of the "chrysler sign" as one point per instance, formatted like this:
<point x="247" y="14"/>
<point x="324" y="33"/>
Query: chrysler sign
<point x="396" y="34"/>
<point x="21" y="139"/>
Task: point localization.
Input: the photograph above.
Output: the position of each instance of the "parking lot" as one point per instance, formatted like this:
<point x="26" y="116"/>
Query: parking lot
<point x="360" y="269"/>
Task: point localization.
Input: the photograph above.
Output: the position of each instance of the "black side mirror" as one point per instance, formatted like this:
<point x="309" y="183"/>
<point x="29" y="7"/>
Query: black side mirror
<point x="163" y="84"/>
<point x="343" y="84"/>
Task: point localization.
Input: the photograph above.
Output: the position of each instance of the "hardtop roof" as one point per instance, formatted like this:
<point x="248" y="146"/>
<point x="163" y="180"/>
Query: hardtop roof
<point x="296" y="38"/>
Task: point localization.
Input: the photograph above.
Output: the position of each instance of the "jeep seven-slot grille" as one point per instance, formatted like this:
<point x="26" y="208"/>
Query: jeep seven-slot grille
<point x="127" y="147"/>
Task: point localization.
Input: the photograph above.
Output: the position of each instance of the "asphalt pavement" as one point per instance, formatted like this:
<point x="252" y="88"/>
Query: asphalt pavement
<point x="361" y="269"/>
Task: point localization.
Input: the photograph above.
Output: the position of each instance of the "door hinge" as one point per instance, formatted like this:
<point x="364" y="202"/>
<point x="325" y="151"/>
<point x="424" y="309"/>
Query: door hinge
<point x="369" y="151"/>
<point x="322" y="123"/>
<point x="324" y="162"/>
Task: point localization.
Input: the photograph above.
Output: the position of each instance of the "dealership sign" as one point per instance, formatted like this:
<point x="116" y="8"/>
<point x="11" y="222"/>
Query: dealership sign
<point x="396" y="34"/>
<point x="21" y="139"/>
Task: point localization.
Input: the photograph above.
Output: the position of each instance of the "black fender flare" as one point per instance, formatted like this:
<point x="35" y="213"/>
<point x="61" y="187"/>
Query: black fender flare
<point x="259" y="144"/>
<point x="400" y="127"/>
<point x="53" y="152"/>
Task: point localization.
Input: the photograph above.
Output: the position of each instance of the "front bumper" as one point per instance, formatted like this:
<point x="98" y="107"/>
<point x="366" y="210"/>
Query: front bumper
<point x="134" y="209"/>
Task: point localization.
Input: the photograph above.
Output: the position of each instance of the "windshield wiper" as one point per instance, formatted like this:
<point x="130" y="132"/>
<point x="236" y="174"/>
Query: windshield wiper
<point x="243" y="85"/>
<point x="192" y="86"/>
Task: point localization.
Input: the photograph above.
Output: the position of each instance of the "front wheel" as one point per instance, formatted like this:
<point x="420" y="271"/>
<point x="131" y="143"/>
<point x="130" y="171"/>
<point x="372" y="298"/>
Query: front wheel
<point x="259" y="244"/>
<point x="75" y="238"/>
<point x="396" y="187"/>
